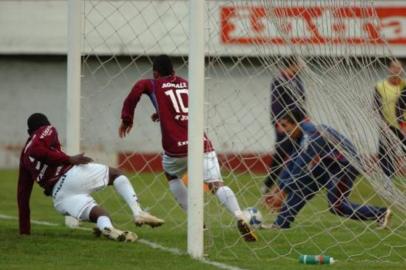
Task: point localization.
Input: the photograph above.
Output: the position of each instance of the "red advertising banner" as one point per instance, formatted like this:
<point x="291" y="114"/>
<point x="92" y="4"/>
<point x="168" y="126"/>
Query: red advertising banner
<point x="312" y="25"/>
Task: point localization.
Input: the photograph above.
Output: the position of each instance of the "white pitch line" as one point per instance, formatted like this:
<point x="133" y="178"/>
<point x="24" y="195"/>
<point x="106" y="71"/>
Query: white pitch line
<point x="150" y="244"/>
<point x="32" y="221"/>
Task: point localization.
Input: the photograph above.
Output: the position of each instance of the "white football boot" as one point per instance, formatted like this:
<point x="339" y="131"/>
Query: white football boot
<point x="116" y="234"/>
<point x="148" y="219"/>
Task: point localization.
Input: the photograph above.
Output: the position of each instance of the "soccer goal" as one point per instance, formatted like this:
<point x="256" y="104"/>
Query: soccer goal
<point x="342" y="51"/>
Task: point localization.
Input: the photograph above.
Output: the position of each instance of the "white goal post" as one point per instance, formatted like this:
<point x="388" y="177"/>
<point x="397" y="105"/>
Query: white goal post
<point x="195" y="128"/>
<point x="73" y="81"/>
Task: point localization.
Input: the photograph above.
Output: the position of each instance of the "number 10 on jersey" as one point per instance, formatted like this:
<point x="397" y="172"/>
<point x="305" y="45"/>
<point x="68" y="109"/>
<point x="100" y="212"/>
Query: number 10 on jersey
<point x="176" y="96"/>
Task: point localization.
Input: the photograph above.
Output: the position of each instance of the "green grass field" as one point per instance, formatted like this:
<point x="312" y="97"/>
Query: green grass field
<point x="356" y="245"/>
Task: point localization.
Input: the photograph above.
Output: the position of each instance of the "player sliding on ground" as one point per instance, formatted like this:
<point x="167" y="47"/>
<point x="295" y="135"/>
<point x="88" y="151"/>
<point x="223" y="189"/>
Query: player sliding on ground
<point x="70" y="180"/>
<point x="320" y="163"/>
<point x="169" y="94"/>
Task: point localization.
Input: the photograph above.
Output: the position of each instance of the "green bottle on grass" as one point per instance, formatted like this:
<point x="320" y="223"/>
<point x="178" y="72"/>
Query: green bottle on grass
<point x="316" y="259"/>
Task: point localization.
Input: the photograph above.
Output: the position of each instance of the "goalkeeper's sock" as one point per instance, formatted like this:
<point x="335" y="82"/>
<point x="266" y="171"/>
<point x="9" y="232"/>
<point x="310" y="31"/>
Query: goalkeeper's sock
<point x="126" y="191"/>
<point x="228" y="199"/>
<point x="179" y="190"/>
<point x="103" y="222"/>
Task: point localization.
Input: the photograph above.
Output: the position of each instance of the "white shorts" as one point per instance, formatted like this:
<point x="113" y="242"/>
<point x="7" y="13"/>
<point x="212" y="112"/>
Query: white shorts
<point x="71" y="194"/>
<point x="177" y="166"/>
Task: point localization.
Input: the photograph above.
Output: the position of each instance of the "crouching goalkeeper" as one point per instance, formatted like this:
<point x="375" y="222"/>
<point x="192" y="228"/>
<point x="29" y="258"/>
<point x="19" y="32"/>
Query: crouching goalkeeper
<point x="319" y="162"/>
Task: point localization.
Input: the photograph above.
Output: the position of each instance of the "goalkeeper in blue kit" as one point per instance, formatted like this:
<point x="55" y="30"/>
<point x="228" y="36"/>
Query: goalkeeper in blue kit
<point x="320" y="162"/>
<point x="287" y="95"/>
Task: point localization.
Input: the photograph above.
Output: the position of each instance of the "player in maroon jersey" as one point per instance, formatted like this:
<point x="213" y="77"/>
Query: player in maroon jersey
<point x="169" y="94"/>
<point x="70" y="180"/>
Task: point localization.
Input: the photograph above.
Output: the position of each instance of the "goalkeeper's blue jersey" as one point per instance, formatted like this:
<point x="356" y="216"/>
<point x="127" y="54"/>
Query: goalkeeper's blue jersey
<point x="319" y="144"/>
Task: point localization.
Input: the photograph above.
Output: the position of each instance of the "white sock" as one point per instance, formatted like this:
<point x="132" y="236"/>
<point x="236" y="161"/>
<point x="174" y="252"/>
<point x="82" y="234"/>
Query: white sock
<point x="126" y="191"/>
<point x="179" y="191"/>
<point x="228" y="199"/>
<point x="103" y="222"/>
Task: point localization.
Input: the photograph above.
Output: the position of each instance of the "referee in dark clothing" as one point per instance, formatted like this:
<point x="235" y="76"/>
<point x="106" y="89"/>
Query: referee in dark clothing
<point x="287" y="94"/>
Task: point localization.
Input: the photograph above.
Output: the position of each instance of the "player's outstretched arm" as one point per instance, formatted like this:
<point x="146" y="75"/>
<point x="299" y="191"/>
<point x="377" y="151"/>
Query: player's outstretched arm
<point x="79" y="159"/>
<point x="24" y="189"/>
<point x="130" y="103"/>
<point x="56" y="158"/>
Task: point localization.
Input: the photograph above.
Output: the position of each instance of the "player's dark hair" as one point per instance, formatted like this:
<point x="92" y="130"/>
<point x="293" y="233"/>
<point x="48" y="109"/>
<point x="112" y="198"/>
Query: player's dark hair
<point x="293" y="117"/>
<point x="163" y="65"/>
<point x="288" y="61"/>
<point x="35" y="121"/>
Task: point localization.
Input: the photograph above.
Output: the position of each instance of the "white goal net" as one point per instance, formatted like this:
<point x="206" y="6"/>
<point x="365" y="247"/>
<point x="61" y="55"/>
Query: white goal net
<point x="342" y="54"/>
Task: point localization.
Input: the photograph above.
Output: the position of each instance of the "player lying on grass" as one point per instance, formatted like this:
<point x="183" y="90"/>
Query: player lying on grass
<point x="169" y="94"/>
<point x="320" y="163"/>
<point x="70" y="180"/>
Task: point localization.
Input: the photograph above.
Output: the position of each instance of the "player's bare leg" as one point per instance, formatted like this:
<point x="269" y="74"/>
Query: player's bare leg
<point x="104" y="226"/>
<point x="126" y="191"/>
<point x="229" y="200"/>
